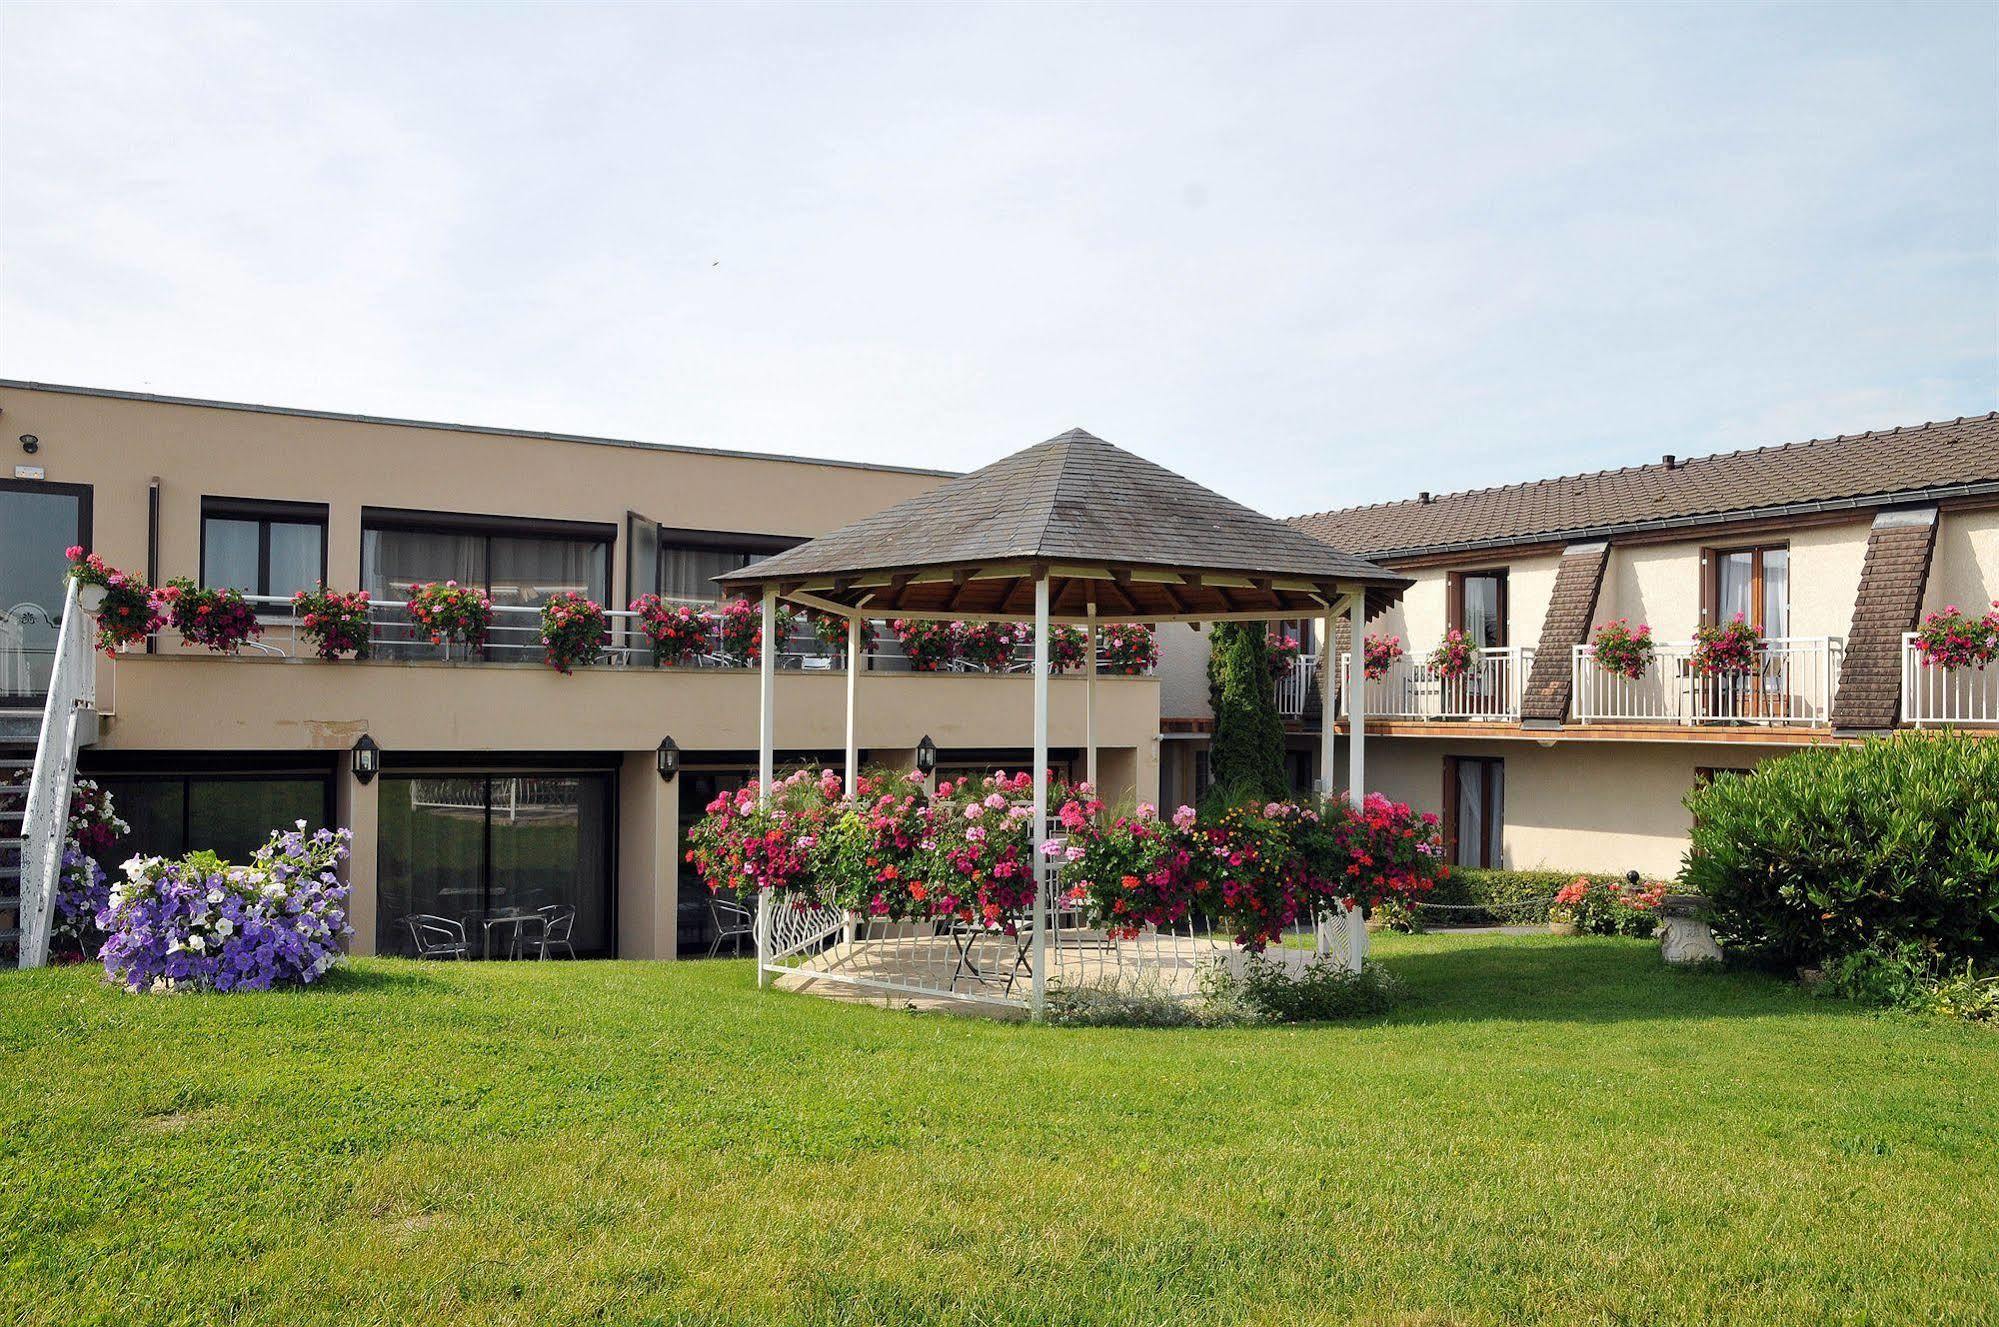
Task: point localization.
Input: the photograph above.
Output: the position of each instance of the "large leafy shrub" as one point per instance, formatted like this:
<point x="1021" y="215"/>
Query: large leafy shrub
<point x="1836" y="849"/>
<point x="203" y="924"/>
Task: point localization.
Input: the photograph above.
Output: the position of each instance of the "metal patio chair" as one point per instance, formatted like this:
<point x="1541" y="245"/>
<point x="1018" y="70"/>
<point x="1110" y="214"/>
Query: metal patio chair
<point x="437" y="937"/>
<point x="732" y="921"/>
<point x="558" y="924"/>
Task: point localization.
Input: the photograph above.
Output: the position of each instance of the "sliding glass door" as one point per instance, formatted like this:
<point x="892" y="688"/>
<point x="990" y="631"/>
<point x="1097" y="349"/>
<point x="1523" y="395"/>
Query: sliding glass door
<point x="481" y="849"/>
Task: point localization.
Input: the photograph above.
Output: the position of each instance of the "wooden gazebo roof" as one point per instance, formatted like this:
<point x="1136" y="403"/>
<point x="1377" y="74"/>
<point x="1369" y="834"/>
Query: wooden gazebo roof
<point x="1145" y="543"/>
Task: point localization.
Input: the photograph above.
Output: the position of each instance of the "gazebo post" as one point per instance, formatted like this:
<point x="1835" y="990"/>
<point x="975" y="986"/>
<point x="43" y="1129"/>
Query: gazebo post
<point x="1357" y="746"/>
<point x="853" y="687"/>
<point x="1329" y="670"/>
<point x="1090" y="698"/>
<point x="1040" y="831"/>
<point x="766" y="750"/>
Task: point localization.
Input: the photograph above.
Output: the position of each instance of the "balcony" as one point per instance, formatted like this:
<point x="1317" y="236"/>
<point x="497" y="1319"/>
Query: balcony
<point x="1489" y="691"/>
<point x="1935" y="697"/>
<point x="1792" y="684"/>
<point x="515" y="638"/>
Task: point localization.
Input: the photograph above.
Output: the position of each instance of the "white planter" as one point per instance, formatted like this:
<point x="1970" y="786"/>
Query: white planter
<point x="90" y="598"/>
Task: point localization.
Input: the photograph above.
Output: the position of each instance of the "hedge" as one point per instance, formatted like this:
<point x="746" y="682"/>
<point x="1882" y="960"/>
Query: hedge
<point x="1514" y="897"/>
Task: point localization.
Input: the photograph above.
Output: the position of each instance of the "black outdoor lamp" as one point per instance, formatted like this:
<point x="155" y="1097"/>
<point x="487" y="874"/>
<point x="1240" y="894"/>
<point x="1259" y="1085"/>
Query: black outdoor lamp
<point x="367" y="759"/>
<point x="926" y="757"/>
<point x="667" y="759"/>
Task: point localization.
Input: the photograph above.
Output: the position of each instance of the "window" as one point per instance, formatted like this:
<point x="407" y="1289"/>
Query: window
<point x="1755" y="582"/>
<point x="1475" y="810"/>
<point x="689" y="560"/>
<point x="266" y="548"/>
<point x="231" y="814"/>
<point x="1477" y="606"/>
<point x="483" y="848"/>
<point x="517" y="562"/>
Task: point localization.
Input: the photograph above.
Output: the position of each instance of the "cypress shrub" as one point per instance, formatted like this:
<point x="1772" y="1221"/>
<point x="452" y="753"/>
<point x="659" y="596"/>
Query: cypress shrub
<point x="1246" y="754"/>
<point x="1836" y="849"/>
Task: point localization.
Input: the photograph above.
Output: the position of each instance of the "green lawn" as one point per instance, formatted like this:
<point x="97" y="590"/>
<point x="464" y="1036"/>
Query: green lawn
<point x="1556" y="1131"/>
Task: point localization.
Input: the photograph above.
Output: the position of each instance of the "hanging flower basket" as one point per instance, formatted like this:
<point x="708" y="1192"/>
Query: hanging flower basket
<point x="1452" y="658"/>
<point x="742" y="630"/>
<point x="219" y="619"/>
<point x="1283" y="654"/>
<point x="335" y="621"/>
<point x="1378" y="655"/>
<point x="1954" y="639"/>
<point x="677" y="632"/>
<point x="1729" y="650"/>
<point x="450" y="613"/>
<point x="1127" y="648"/>
<point x="989" y="646"/>
<point x="126" y="611"/>
<point x="930" y="646"/>
<point x="1620" y="649"/>
<point x="573" y="630"/>
<point x="830" y="630"/>
<point x="1065" y="648"/>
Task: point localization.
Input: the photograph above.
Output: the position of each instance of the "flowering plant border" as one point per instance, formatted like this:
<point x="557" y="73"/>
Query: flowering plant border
<point x="742" y="630"/>
<point x="1599" y="907"/>
<point x="220" y="619"/>
<point x="1954" y="639"/>
<point x="989" y="646"/>
<point x="574" y="629"/>
<point x="830" y="630"/>
<point x="335" y="621"/>
<point x="1727" y="650"/>
<point x="929" y="645"/>
<point x="129" y="612"/>
<point x="1621" y="649"/>
<point x="450" y="613"/>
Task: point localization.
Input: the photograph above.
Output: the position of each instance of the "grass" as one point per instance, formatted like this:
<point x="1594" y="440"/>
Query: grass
<point x="1549" y="1131"/>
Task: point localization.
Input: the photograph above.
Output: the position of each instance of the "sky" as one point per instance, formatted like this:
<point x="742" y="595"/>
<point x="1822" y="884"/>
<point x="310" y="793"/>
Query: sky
<point x="1310" y="256"/>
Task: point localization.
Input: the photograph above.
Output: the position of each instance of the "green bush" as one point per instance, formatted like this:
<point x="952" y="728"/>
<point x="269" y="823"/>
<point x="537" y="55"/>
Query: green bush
<point x="1906" y="976"/>
<point x="1838" y="849"/>
<point x="1496" y="897"/>
<point x="1246" y="752"/>
<point x="1265" y="990"/>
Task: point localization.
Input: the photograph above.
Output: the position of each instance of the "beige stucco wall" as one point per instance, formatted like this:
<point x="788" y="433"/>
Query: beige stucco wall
<point x="1183" y="672"/>
<point x="1422" y="617"/>
<point x="1965" y="567"/>
<point x="1609" y="807"/>
<point x="116" y="446"/>
<point x="1660" y="584"/>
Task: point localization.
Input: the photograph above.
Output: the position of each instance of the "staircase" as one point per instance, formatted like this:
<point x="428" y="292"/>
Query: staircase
<point x="17" y="759"/>
<point x="38" y="767"/>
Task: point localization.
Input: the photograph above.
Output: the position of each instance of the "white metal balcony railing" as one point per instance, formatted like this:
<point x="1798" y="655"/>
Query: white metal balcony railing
<point x="515" y="637"/>
<point x="1955" y="696"/>
<point x="1793" y="682"/>
<point x="1490" y="689"/>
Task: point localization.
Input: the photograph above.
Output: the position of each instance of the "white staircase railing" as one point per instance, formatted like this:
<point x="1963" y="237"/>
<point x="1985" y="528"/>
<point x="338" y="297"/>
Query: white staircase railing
<point x="45" y="824"/>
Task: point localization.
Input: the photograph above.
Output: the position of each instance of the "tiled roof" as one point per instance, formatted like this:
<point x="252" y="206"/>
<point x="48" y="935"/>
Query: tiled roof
<point x="1074" y="498"/>
<point x="1890" y="598"/>
<point x="1847" y="468"/>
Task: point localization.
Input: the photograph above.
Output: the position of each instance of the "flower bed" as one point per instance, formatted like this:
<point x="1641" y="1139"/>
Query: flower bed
<point x="1729" y="650"/>
<point x="1955" y="639"/>
<point x="1623" y="650"/>
<point x="81" y="892"/>
<point x="203" y="924"/>
<point x="573" y="630"/>
<point x="1379" y="655"/>
<point x="677" y="632"/>
<point x="965" y="854"/>
<point x="128" y="614"/>
<point x="219" y="619"/>
<point x="1596" y="906"/>
<point x="450" y="613"/>
<point x="335" y="621"/>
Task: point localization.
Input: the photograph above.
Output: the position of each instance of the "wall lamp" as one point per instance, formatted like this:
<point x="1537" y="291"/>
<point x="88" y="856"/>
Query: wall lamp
<point x="667" y="759"/>
<point x="366" y="759"/>
<point x="926" y="757"/>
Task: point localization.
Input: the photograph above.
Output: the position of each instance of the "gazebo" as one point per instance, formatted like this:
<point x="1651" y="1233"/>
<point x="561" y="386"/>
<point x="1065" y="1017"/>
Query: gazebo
<point x="1076" y="531"/>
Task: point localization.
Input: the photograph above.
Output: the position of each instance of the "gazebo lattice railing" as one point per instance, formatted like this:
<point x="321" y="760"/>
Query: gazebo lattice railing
<point x="1075" y="531"/>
